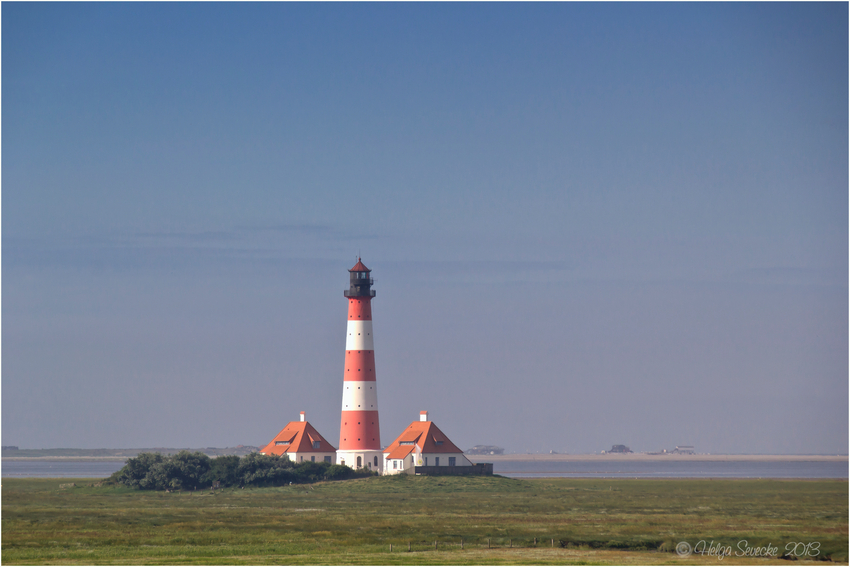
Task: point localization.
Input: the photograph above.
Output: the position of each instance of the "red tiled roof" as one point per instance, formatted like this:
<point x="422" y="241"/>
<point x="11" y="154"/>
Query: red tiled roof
<point x="426" y="435"/>
<point x="359" y="267"/>
<point x="410" y="434"/>
<point x="301" y="436"/>
<point x="400" y="452"/>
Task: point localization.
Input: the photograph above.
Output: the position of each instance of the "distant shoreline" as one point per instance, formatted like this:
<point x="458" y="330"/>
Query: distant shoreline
<point x="70" y="454"/>
<point x="526" y="457"/>
<point x="557" y="457"/>
<point x="81" y="458"/>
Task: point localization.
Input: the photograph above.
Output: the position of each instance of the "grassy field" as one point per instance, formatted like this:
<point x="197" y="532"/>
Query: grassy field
<point x="592" y="521"/>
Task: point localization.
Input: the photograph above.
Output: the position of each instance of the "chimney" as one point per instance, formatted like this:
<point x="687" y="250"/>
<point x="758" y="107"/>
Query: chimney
<point x="303" y="416"/>
<point x="423" y="416"/>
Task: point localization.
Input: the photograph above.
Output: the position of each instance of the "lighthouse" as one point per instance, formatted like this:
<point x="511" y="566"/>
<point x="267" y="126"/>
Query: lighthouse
<point x="359" y="431"/>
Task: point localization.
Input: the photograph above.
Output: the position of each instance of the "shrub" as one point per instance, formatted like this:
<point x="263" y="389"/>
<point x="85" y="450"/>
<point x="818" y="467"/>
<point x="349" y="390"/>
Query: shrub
<point x="265" y="470"/>
<point x="309" y="471"/>
<point x="136" y="469"/>
<point x="189" y="471"/>
<point x="181" y="471"/>
<point x="223" y="469"/>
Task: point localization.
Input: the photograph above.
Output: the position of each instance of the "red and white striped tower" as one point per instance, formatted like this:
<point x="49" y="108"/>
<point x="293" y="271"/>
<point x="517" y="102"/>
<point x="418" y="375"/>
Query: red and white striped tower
<point x="359" y="431"/>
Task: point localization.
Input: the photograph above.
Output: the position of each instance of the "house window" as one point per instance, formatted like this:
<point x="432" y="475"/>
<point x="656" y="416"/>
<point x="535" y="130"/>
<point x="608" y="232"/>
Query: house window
<point x="452" y="461"/>
<point x="426" y="461"/>
<point x="395" y="464"/>
<point x="437" y="459"/>
<point x="376" y="461"/>
<point x="328" y="460"/>
<point x="281" y="442"/>
<point x="438" y="442"/>
<point x="313" y="458"/>
<point x="359" y="462"/>
<point x="317" y="444"/>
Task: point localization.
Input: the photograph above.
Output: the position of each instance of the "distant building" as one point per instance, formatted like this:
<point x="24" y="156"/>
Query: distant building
<point x="422" y="444"/>
<point x="301" y="442"/>
<point x="485" y="450"/>
<point x="684" y="449"/>
<point x="620" y="449"/>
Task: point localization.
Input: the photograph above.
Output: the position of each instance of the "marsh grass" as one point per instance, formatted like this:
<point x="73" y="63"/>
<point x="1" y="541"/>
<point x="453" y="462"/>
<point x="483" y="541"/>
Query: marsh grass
<point x="592" y="521"/>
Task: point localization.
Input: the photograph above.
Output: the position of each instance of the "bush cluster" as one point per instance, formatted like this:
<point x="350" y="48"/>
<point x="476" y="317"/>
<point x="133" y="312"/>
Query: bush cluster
<point x="191" y="471"/>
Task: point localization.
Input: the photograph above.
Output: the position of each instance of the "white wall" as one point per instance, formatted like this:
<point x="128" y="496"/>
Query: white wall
<point x="350" y="458"/>
<point x="405" y="463"/>
<point x="430" y="460"/>
<point x="408" y="461"/>
<point x="320" y="457"/>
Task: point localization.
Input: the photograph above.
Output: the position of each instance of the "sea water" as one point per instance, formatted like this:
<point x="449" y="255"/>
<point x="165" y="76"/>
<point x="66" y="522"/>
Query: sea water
<point x="672" y="469"/>
<point x="46" y="468"/>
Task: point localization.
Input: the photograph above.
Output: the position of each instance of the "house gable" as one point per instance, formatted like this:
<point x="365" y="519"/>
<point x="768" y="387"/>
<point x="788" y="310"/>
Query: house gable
<point x="423" y="436"/>
<point x="298" y="437"/>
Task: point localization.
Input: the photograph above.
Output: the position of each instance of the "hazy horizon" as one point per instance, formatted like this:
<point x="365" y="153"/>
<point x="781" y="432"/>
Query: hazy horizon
<point x="607" y="453"/>
<point x="588" y="224"/>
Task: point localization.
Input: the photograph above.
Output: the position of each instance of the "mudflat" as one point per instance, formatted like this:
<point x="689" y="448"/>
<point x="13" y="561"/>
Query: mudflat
<point x="560" y="457"/>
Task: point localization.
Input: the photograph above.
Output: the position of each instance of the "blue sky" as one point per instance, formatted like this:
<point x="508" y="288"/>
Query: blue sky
<point x="589" y="224"/>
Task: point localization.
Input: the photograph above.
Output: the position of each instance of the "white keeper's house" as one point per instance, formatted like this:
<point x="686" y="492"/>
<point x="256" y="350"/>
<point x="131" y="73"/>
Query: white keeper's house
<point x="422" y="444"/>
<point x="301" y="442"/>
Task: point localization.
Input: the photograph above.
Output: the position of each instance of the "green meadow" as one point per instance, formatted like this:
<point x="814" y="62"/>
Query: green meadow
<point x="426" y="520"/>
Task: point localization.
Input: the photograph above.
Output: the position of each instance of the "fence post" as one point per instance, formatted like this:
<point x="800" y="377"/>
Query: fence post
<point x="488" y="543"/>
<point x="391" y="548"/>
<point x="408" y="546"/>
<point x="511" y="542"/>
<point x="553" y="542"/>
<point x="435" y="544"/>
<point x="461" y="543"/>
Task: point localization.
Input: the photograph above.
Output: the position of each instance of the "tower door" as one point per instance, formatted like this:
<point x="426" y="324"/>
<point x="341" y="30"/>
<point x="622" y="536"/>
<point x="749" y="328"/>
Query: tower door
<point x="359" y="462"/>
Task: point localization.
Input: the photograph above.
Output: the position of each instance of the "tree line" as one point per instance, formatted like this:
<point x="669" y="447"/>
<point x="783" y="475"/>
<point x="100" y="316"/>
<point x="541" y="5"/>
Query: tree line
<point x="191" y="471"/>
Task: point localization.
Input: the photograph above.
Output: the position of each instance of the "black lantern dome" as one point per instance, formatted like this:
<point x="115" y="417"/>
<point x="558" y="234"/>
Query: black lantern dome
<point x="361" y="281"/>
